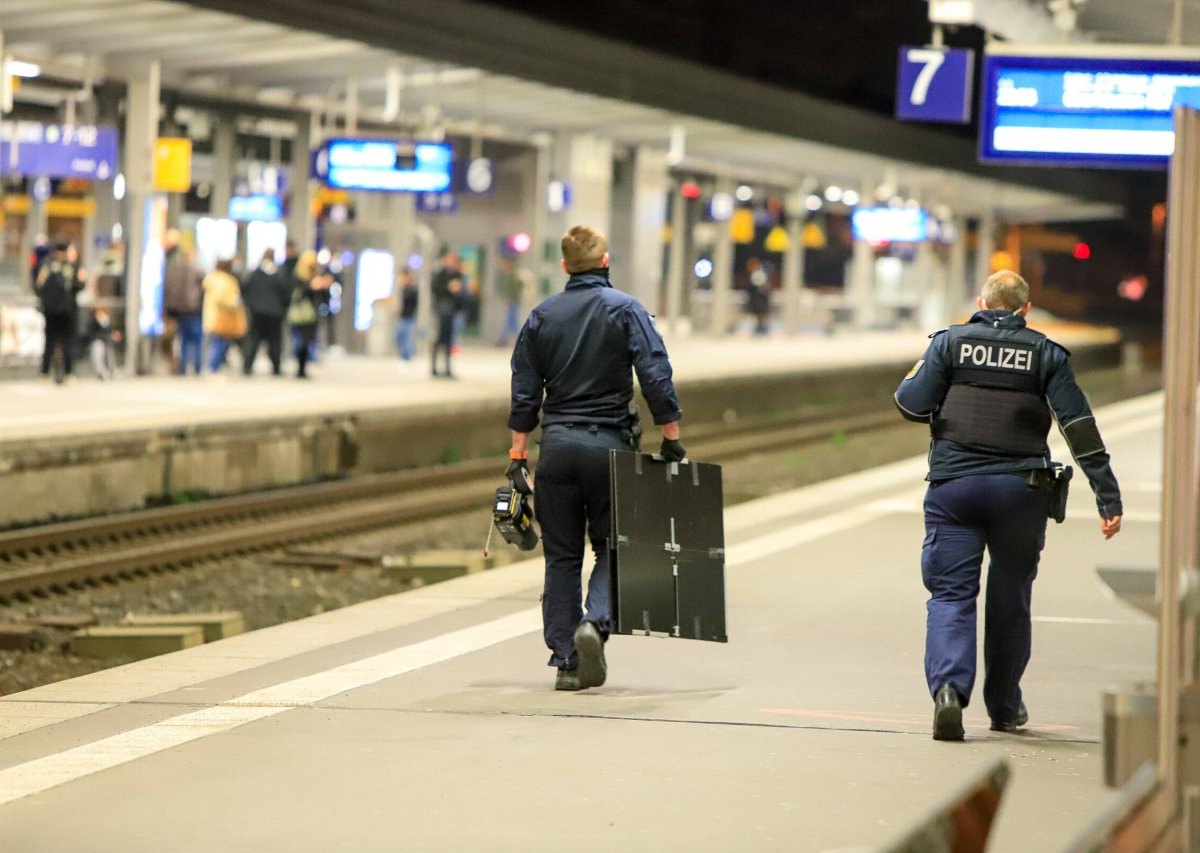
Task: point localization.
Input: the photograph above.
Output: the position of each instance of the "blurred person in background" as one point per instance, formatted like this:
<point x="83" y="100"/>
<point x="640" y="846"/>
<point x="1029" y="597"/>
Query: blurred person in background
<point x="183" y="294"/>
<point x="513" y="283"/>
<point x="57" y="286"/>
<point x="224" y="315"/>
<point x="449" y="294"/>
<point x="103" y="339"/>
<point x="406" y="322"/>
<point x="267" y="295"/>
<point x="308" y="285"/>
<point x="758" y="295"/>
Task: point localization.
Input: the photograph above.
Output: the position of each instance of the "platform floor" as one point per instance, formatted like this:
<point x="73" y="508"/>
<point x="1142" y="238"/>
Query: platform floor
<point x="426" y="721"/>
<point x="344" y="383"/>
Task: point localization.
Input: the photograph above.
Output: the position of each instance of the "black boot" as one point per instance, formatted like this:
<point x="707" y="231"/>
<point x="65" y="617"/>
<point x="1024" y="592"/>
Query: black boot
<point x="947" y="714"/>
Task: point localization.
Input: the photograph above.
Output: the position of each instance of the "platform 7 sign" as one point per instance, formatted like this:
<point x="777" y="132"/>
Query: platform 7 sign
<point x="934" y="85"/>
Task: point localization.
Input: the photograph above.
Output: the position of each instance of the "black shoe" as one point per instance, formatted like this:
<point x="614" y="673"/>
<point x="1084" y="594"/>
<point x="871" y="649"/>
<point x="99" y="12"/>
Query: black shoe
<point x="567" y="679"/>
<point x="589" y="645"/>
<point x="947" y="714"/>
<point x="1012" y="725"/>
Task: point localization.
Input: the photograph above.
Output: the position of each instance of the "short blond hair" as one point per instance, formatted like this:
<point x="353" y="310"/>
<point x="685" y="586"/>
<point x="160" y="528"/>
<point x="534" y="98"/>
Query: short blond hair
<point x="584" y="248"/>
<point x="1005" y="291"/>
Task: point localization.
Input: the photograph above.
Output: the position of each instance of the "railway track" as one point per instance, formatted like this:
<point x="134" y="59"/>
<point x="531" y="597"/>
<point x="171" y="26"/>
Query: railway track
<point x="57" y="558"/>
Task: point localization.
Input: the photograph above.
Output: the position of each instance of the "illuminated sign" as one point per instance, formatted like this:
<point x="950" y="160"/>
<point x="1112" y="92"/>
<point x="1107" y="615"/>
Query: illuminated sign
<point x="255" y="208"/>
<point x="1084" y="108"/>
<point x="384" y="165"/>
<point x="58" y="151"/>
<point x="376" y="273"/>
<point x="890" y="224"/>
<point x="934" y="84"/>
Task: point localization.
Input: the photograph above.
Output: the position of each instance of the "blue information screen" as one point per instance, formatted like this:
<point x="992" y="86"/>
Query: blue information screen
<point x="1083" y="110"/>
<point x="58" y="151"/>
<point x="384" y="165"/>
<point x="878" y="225"/>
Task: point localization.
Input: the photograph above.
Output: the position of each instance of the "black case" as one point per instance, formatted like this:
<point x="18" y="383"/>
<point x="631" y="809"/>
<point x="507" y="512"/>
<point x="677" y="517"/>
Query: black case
<point x="667" y="550"/>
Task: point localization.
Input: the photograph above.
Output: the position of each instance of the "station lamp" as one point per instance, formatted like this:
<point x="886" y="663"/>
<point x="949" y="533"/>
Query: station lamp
<point x="850" y="198"/>
<point x="520" y="242"/>
<point x="1082" y="251"/>
<point x="689" y="189"/>
<point x="833" y="194"/>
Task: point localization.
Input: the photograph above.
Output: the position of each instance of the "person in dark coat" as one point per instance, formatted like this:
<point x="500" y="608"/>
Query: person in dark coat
<point x="266" y="294"/>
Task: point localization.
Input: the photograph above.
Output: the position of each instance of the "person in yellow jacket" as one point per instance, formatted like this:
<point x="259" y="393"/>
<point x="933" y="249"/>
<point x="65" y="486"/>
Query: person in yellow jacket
<point x="224" y="315"/>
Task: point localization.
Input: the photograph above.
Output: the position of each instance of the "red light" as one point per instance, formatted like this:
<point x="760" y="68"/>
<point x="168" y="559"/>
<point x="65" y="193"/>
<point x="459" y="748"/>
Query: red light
<point x="689" y="189"/>
<point x="1082" y="251"/>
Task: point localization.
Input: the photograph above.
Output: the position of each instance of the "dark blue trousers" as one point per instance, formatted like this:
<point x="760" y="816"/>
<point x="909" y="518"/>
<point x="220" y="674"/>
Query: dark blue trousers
<point x="572" y="500"/>
<point x="963" y="516"/>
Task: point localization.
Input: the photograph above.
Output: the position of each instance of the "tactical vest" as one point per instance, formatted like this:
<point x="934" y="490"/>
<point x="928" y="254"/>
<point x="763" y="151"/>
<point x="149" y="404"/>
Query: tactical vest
<point x="996" y="402"/>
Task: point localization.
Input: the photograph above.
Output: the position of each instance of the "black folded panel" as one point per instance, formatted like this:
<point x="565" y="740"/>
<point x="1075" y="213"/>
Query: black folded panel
<point x="667" y="548"/>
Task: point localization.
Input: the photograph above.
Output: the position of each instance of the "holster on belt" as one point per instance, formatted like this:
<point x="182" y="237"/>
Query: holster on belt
<point x="1056" y="483"/>
<point x="633" y="432"/>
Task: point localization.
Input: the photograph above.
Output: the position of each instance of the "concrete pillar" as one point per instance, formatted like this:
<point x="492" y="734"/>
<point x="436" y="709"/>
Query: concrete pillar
<point x="108" y="210"/>
<point x="860" y="279"/>
<point x="958" y="277"/>
<point x="793" y="259"/>
<point x="300" y="222"/>
<point x="984" y="246"/>
<point x="141" y="129"/>
<point x="676" y="274"/>
<point x="860" y="284"/>
<point x="224" y="163"/>
<point x="640" y="273"/>
<point x="584" y="162"/>
<point x="36" y="223"/>
<point x="722" y="275"/>
<point x="541" y="251"/>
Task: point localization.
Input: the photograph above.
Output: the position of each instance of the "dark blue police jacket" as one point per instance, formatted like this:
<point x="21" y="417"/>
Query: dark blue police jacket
<point x="575" y="357"/>
<point x="995" y="373"/>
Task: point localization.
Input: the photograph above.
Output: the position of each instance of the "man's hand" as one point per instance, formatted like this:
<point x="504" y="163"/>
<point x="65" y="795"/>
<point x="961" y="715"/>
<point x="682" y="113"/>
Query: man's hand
<point x="518" y="472"/>
<point x="672" y="450"/>
<point x="1110" y="527"/>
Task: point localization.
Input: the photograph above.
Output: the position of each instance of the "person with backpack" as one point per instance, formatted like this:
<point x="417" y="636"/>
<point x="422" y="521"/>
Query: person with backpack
<point x="57" y="284"/>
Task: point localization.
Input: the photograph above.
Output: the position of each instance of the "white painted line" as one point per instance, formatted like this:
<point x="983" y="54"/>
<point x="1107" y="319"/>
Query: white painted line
<point x="1080" y="620"/>
<point x="42" y="774"/>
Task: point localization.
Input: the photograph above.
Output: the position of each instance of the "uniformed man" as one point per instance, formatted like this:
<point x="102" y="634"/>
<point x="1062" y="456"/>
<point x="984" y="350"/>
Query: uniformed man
<point x="573" y="361"/>
<point x="988" y="389"/>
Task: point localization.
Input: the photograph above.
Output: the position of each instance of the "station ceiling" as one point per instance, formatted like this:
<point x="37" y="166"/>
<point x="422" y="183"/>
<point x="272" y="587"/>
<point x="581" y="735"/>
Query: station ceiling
<point x="1139" y="21"/>
<point x="297" y="55"/>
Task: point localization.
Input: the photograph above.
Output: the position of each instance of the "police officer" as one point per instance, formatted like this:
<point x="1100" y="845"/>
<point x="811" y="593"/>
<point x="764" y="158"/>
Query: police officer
<point x="573" y="361"/>
<point x="988" y="390"/>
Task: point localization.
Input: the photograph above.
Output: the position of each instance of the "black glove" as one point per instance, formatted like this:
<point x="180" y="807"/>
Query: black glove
<point x="518" y="472"/>
<point x="672" y="450"/>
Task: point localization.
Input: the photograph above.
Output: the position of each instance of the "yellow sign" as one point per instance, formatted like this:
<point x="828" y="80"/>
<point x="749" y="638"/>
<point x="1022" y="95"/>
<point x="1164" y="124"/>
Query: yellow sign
<point x="741" y="226"/>
<point x="1003" y="261"/>
<point x="173" y="165"/>
<point x="814" y="237"/>
<point x="58" y="207"/>
<point x="777" y="240"/>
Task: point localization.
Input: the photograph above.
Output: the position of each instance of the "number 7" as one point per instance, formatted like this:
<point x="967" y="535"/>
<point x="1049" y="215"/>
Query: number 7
<point x="932" y="60"/>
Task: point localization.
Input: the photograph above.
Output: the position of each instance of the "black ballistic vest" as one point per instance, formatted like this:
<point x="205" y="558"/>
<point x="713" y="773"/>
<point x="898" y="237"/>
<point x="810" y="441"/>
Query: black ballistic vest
<point x="996" y="401"/>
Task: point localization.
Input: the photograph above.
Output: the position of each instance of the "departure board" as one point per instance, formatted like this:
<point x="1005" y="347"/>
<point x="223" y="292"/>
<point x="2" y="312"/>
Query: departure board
<point x="1084" y="110"/>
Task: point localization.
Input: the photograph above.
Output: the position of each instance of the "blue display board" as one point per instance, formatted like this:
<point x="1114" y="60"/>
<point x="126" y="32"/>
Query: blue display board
<point x="58" y="151"/>
<point x="934" y="85"/>
<point x="1083" y="110"/>
<point x="890" y="224"/>
<point x="255" y="208"/>
<point x="384" y="165"/>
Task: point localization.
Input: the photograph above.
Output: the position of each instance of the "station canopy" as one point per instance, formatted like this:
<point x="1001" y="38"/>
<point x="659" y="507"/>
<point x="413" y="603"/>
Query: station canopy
<point x="220" y="57"/>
